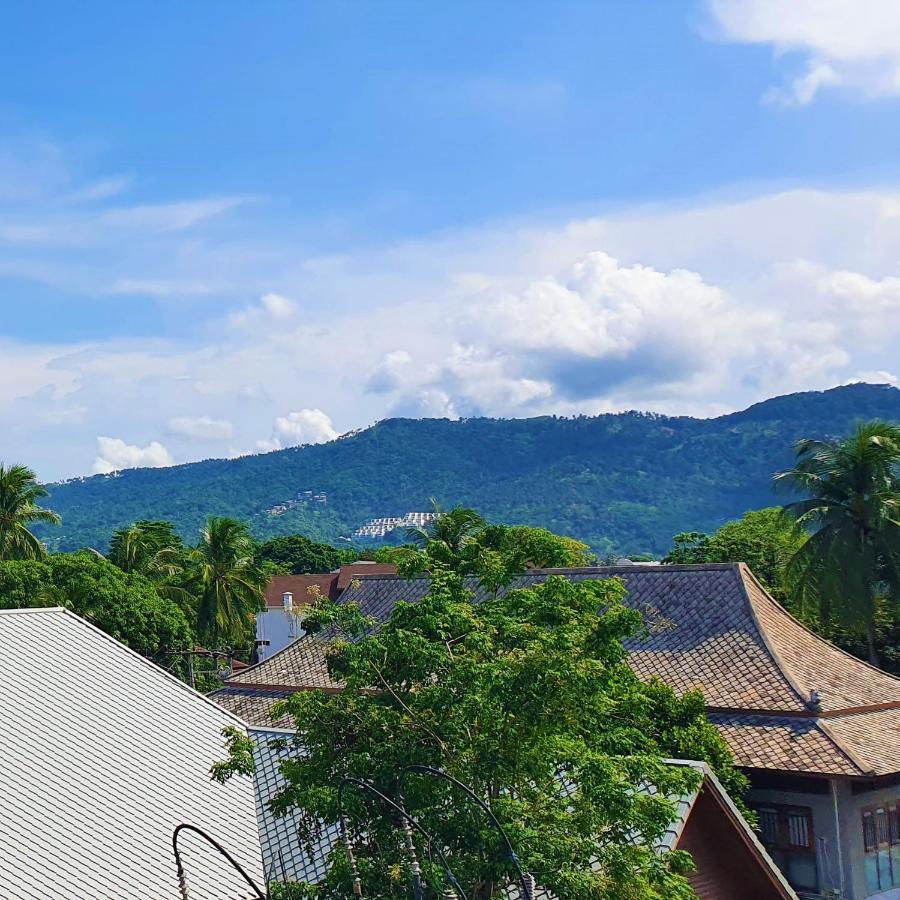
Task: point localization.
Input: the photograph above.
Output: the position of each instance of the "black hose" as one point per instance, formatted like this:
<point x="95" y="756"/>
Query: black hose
<point x="182" y="879"/>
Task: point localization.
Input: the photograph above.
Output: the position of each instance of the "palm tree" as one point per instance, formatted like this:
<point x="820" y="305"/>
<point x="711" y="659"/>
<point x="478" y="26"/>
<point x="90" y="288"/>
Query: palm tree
<point x="228" y="585"/>
<point x="851" y="561"/>
<point x="149" y="548"/>
<point x="454" y="529"/>
<point x="19" y="493"/>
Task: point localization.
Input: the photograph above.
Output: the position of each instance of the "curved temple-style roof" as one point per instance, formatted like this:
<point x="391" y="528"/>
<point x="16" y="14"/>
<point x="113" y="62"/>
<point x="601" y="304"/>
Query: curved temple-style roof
<point x="784" y="698"/>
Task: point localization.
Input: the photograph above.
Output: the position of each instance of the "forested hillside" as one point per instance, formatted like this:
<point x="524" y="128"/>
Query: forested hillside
<point x="624" y="483"/>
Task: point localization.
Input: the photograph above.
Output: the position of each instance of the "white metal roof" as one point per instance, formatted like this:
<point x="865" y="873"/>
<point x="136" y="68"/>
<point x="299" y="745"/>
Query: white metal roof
<point x="102" y="754"/>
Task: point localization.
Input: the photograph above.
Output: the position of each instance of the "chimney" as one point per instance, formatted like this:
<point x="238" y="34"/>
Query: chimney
<point x="287" y="599"/>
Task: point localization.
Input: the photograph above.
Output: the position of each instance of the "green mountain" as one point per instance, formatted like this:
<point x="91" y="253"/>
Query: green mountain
<point x="624" y="483"/>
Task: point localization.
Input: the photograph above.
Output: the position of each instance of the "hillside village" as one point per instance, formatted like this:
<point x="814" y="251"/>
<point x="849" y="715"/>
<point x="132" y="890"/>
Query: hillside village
<point x="775" y="722"/>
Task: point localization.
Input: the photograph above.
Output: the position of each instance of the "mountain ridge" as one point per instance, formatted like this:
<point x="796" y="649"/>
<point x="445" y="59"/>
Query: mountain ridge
<point x="625" y="482"/>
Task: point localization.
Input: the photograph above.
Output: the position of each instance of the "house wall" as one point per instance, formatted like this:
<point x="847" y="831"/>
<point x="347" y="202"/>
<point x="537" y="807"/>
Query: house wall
<point x="827" y="861"/>
<point x="851" y="806"/>
<point x="279" y="627"/>
<point x="726" y="869"/>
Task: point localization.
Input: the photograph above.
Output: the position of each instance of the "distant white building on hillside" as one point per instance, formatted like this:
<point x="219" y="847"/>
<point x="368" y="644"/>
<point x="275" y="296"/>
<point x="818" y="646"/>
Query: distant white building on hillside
<point x="378" y="528"/>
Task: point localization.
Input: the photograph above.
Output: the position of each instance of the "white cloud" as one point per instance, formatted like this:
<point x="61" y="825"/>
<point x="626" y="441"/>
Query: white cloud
<point x="305" y="426"/>
<point x="202" y="427"/>
<point x="114" y="454"/>
<point x="698" y="308"/>
<point x="849" y="43"/>
<point x="270" y="308"/>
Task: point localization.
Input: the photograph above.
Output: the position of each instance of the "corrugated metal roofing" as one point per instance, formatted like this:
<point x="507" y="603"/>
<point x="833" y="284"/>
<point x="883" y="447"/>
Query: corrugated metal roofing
<point x="102" y="754"/>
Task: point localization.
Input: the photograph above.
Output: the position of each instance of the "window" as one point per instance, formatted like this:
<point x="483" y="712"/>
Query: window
<point x="881" y="842"/>
<point x="787" y="833"/>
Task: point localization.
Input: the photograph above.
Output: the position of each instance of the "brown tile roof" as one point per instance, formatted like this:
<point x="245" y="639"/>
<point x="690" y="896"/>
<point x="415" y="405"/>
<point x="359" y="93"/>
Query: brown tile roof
<point x="712" y="628"/>
<point x="305" y="588"/>
<point x="346" y="574"/>
<point x="783" y="743"/>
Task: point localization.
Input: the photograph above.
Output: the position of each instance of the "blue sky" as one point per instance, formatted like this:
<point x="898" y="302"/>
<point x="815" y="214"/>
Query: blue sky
<point x="227" y="228"/>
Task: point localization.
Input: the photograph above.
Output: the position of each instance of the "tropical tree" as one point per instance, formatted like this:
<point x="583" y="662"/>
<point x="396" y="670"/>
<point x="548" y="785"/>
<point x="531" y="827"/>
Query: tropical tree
<point x="453" y="528"/>
<point x="298" y="555"/>
<point x="850" y="566"/>
<point x="764" y="539"/>
<point x="516" y="696"/>
<point x="151" y="548"/>
<point x="19" y="493"/>
<point x="227" y="583"/>
<point x="125" y="606"/>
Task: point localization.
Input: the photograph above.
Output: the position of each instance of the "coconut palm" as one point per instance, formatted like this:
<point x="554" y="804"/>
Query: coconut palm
<point x="454" y="528"/>
<point x="19" y="493"/>
<point x="228" y="585"/>
<point x="152" y="549"/>
<point x="851" y="562"/>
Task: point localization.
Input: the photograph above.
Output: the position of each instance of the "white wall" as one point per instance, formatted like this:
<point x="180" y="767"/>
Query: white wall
<point x="279" y="627"/>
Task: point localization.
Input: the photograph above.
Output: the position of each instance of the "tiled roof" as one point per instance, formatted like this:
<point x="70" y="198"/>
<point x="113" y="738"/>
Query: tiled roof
<point x="348" y="573"/>
<point x="305" y="588"/>
<point x="102" y="755"/>
<point x="284" y="858"/>
<point x="783" y="743"/>
<point x="713" y="628"/>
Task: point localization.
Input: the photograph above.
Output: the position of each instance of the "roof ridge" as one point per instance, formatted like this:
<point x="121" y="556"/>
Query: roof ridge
<point x="860" y="764"/>
<point x="834" y="647"/>
<point x="32" y="609"/>
<point x="742" y="570"/>
<point x="657" y="568"/>
<point x="143" y="659"/>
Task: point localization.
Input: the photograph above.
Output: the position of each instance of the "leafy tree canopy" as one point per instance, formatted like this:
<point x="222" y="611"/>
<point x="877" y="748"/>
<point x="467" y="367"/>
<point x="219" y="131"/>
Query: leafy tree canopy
<point x="515" y="696"/>
<point x="764" y="539"/>
<point x="298" y="555"/>
<point x="125" y="606"/>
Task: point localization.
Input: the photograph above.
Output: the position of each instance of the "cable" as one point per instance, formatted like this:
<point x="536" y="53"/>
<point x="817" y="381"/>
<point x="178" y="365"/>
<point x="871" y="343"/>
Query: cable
<point x="525" y="881"/>
<point x="182" y="878"/>
<point x="364" y="785"/>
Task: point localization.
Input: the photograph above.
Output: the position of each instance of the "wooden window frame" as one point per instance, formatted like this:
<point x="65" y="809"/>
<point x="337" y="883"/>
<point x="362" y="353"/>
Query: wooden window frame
<point x="890" y="810"/>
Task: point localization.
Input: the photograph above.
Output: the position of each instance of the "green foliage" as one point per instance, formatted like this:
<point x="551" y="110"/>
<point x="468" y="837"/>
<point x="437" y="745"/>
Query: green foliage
<point x="623" y="483"/>
<point x="295" y="554"/>
<point x="19" y="493"/>
<point x="125" y="606"/>
<point x="226" y="581"/>
<point x="764" y="539"/>
<point x="510" y="695"/>
<point x="150" y="548"/>
<point x="526" y="547"/>
<point x="850" y="565"/>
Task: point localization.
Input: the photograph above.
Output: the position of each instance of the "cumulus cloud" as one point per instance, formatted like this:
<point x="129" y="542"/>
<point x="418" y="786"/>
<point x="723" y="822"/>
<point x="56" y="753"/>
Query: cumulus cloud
<point x="201" y="427"/>
<point x="849" y="43"/>
<point x="270" y="308"/>
<point x="305" y="426"/>
<point x="114" y="454"/>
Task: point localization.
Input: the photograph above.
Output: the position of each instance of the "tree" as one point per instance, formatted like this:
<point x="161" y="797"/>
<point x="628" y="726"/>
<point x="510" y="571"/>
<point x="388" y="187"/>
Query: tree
<point x="764" y="539"/>
<point x="453" y="529"/>
<point x="526" y="547"/>
<point x="528" y="698"/>
<point x="19" y="493"/>
<point x="151" y="548"/>
<point x="226" y="581"/>
<point x="298" y="555"/>
<point x="125" y="606"/>
<point x="850" y="565"/>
